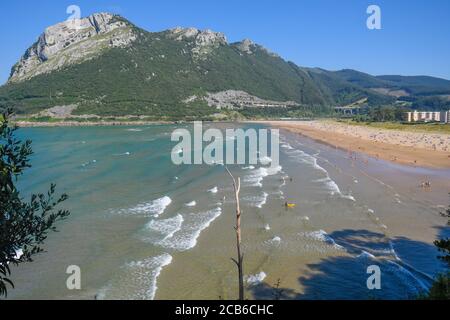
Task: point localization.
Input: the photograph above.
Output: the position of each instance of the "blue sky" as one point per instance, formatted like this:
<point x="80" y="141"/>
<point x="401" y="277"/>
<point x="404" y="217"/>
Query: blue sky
<point x="414" y="39"/>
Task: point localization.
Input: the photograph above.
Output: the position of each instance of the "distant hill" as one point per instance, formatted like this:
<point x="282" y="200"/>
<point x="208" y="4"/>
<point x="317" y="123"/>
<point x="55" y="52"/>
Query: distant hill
<point x="411" y="85"/>
<point x="104" y="66"/>
<point x="419" y="85"/>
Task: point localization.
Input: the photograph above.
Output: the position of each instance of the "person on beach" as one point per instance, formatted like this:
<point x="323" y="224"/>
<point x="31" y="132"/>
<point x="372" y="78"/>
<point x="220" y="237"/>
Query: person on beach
<point x="289" y="205"/>
<point x="426" y="184"/>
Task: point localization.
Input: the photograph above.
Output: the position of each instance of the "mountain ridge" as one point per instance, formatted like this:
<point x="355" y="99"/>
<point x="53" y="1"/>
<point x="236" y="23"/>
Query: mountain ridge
<point x="110" y="67"/>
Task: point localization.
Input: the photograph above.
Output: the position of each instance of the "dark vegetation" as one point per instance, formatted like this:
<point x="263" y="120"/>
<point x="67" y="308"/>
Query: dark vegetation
<point x="24" y="225"/>
<point x="440" y="290"/>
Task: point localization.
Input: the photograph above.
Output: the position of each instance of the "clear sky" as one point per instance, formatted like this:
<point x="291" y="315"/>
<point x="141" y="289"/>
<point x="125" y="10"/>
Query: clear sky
<point x="414" y="39"/>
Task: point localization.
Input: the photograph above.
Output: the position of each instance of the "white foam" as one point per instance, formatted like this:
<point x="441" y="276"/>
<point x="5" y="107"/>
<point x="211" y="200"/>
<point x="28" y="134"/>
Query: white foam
<point x="154" y="208"/>
<point x="366" y="255"/>
<point x="349" y="197"/>
<point x="138" y="281"/>
<point x="333" y="188"/>
<point x="272" y="170"/>
<point x="191" y="204"/>
<point x="257" y="176"/>
<point x="257" y="201"/>
<point x="213" y="190"/>
<point x="330" y="184"/>
<point x="167" y="227"/>
<point x="89" y="163"/>
<point x="265" y="161"/>
<point x="194" y="224"/>
<point x="255" y="179"/>
<point x="393" y="252"/>
<point x="267" y="227"/>
<point x="256" y="279"/>
<point x="322" y="236"/>
<point x="304" y="218"/>
<point x="303" y="157"/>
<point x="408" y="277"/>
<point x="123" y="154"/>
<point x="263" y="200"/>
<point x="103" y="292"/>
<point x="144" y="275"/>
<point x="287" y="146"/>
<point x="248" y="168"/>
<point x="276" y="239"/>
<point x="134" y="130"/>
<point x="282" y="184"/>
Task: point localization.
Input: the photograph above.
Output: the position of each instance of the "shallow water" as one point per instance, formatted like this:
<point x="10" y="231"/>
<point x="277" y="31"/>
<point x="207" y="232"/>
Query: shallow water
<point x="143" y="228"/>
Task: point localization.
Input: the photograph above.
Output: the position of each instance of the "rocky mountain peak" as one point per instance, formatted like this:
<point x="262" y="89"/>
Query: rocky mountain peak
<point x="201" y="37"/>
<point x="72" y="41"/>
<point x="246" y="46"/>
<point x="203" y="41"/>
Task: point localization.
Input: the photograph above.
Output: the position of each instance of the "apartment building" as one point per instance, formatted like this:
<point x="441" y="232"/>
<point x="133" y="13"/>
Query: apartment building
<point x="428" y="116"/>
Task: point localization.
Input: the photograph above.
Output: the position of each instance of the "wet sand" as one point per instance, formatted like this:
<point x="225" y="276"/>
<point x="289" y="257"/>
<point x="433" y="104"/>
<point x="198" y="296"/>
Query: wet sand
<point x="430" y="150"/>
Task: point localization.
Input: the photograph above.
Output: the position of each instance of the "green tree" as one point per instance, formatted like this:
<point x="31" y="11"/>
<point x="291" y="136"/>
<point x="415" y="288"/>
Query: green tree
<point x="444" y="244"/>
<point x="24" y="225"/>
<point x="440" y="289"/>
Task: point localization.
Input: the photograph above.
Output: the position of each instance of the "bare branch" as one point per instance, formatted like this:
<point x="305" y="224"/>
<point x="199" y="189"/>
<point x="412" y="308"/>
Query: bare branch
<point x="237" y="228"/>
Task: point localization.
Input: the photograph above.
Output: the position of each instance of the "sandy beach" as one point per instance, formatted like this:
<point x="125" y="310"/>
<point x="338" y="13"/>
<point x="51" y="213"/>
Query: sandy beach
<point x="430" y="150"/>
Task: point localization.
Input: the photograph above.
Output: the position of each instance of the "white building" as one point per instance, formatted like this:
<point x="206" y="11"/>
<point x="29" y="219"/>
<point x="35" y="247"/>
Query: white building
<point x="428" y="116"/>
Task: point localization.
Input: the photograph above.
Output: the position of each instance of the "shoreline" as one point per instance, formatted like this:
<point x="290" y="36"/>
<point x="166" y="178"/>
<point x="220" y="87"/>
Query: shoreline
<point x="360" y="139"/>
<point x="46" y="124"/>
<point x="404" y="148"/>
<point x="31" y="124"/>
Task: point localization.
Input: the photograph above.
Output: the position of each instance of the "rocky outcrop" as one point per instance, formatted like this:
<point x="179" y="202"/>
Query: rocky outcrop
<point x="236" y="99"/>
<point x="59" y="112"/>
<point x="203" y="41"/>
<point x="73" y="41"/>
<point x="246" y="46"/>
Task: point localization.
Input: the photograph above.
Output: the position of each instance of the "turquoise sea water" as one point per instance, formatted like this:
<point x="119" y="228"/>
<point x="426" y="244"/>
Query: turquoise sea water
<point x="144" y="228"/>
